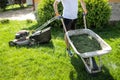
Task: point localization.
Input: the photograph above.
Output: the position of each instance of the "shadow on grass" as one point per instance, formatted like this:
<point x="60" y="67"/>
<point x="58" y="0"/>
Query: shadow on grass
<point x="46" y="45"/>
<point x="82" y="74"/>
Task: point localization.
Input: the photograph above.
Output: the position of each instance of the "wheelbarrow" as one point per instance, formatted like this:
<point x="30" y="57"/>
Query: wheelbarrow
<point x="92" y="64"/>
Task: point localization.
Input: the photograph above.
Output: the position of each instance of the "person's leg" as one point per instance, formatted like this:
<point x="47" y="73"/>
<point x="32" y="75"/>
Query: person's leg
<point x="67" y="23"/>
<point x="72" y="27"/>
<point x="73" y="24"/>
<point x="69" y="26"/>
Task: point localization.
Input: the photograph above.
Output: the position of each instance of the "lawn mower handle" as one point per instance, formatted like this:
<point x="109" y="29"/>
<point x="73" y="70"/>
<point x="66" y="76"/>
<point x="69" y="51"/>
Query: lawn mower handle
<point x="48" y="22"/>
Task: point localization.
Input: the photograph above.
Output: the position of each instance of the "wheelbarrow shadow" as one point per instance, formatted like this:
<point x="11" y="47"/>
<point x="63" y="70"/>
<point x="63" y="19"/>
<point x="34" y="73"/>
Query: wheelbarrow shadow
<point x="82" y="74"/>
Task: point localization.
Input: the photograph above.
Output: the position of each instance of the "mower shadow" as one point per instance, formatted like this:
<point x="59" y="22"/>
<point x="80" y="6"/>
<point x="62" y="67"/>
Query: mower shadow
<point x="48" y="44"/>
<point x="82" y="74"/>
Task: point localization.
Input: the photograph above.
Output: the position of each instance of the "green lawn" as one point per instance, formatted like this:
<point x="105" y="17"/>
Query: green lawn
<point x="50" y="61"/>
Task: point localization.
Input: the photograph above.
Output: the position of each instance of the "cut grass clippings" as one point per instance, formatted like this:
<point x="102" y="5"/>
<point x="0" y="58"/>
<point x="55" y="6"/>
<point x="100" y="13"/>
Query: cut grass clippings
<point x="85" y="43"/>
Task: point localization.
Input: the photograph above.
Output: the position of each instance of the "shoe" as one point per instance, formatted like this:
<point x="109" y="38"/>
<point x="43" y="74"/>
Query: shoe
<point x="69" y="52"/>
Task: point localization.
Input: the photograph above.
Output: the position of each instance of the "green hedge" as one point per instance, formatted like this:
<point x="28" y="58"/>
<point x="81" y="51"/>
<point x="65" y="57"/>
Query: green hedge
<point x="3" y="4"/>
<point x="98" y="13"/>
<point x="45" y="12"/>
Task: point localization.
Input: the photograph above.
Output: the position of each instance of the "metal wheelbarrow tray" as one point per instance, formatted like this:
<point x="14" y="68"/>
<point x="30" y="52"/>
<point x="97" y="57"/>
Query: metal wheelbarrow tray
<point x="105" y="47"/>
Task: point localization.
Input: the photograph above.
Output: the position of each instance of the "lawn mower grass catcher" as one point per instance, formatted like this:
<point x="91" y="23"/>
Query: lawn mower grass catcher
<point x="39" y="36"/>
<point x="89" y="46"/>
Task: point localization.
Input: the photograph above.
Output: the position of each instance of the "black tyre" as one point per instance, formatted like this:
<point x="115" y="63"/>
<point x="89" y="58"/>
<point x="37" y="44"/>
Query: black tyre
<point x="11" y="43"/>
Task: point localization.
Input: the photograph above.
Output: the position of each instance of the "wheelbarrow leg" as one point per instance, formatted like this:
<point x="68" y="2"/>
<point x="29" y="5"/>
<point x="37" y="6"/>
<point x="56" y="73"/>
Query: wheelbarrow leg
<point x="91" y="65"/>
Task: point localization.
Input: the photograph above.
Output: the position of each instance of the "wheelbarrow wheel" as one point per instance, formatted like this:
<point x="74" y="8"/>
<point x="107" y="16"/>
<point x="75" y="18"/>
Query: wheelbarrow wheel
<point x="70" y="53"/>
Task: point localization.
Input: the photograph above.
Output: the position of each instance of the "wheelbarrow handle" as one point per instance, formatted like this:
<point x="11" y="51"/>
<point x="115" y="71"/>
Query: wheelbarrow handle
<point x="63" y="24"/>
<point x="84" y="20"/>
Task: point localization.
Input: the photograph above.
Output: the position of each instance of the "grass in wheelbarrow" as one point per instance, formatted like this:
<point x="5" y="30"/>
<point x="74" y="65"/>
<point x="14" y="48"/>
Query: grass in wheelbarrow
<point x="85" y="43"/>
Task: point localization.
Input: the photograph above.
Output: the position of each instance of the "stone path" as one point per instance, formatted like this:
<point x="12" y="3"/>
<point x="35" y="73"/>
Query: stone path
<point x="21" y="14"/>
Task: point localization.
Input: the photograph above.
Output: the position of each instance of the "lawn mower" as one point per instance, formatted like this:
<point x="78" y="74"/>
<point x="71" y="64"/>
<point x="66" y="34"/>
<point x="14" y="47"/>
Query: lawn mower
<point x="40" y="35"/>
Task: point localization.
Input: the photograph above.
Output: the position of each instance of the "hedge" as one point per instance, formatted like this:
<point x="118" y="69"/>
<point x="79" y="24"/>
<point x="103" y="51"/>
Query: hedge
<point x="3" y="4"/>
